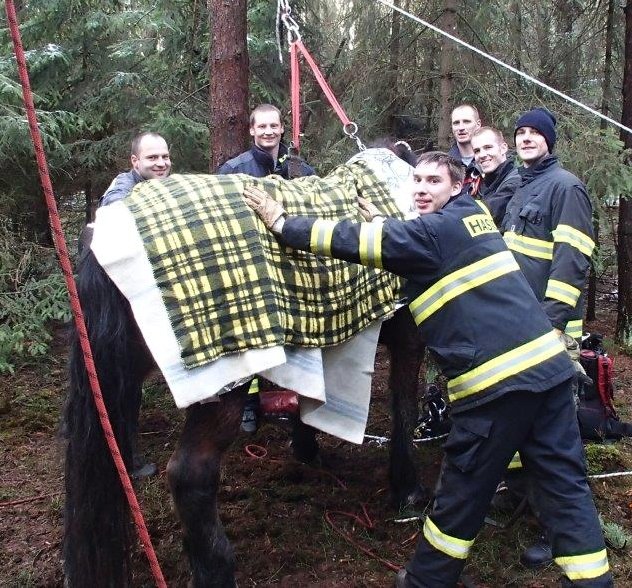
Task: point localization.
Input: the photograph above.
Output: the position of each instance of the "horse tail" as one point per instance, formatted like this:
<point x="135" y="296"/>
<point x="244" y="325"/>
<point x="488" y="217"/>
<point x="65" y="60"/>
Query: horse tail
<point x="97" y="530"/>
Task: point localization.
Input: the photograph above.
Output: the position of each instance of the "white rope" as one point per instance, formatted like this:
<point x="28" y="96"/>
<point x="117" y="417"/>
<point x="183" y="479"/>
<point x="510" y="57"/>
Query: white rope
<point x="612" y="475"/>
<point x="505" y="65"/>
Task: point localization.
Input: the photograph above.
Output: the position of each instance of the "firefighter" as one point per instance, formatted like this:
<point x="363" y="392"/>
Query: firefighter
<point x="508" y="391"/>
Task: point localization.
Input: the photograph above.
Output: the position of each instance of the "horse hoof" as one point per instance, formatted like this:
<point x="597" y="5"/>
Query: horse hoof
<point x="419" y="496"/>
<point x="307" y="454"/>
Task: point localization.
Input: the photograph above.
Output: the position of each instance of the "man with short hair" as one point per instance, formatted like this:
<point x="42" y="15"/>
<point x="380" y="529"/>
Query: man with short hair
<point x="465" y="121"/>
<point x="548" y="227"/>
<point x="150" y="159"/>
<point x="500" y="176"/>
<point x="508" y="391"/>
<point x="267" y="155"/>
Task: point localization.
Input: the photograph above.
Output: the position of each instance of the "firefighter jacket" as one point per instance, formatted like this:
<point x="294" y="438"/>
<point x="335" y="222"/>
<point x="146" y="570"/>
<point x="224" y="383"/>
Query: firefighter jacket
<point x="548" y="227"/>
<point x="472" y="304"/>
<point x="498" y="187"/>
<point x="259" y="163"/>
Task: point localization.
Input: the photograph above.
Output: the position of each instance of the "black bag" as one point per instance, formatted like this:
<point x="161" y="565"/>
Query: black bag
<point x="598" y="419"/>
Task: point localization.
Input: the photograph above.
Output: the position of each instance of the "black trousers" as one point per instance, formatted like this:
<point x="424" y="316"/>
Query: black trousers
<point x="543" y="427"/>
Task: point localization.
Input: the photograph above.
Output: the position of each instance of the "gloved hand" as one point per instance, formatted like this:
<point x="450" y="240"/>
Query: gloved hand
<point x="368" y="211"/>
<point x="574" y="351"/>
<point x="268" y="209"/>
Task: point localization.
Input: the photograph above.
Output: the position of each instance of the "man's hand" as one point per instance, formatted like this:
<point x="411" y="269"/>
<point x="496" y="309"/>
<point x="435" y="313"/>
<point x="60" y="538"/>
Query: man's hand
<point x="367" y="210"/>
<point x="268" y="209"/>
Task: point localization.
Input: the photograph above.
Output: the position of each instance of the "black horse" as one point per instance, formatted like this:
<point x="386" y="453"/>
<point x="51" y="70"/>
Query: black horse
<point x="97" y="529"/>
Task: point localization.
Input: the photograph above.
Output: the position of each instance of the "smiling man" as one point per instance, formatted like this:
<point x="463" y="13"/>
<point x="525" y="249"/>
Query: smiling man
<point x="500" y="176"/>
<point x="268" y="155"/>
<point x="548" y="227"/>
<point x="508" y="391"/>
<point x="150" y="159"/>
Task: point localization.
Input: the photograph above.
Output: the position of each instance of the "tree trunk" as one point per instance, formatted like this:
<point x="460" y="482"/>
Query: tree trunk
<point x="591" y="302"/>
<point x="394" y="99"/>
<point x="228" y="65"/>
<point x="516" y="33"/>
<point x="448" y="50"/>
<point x="624" y="240"/>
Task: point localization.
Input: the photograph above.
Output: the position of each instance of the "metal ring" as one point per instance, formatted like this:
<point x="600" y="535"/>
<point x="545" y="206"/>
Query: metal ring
<point x="350" y="133"/>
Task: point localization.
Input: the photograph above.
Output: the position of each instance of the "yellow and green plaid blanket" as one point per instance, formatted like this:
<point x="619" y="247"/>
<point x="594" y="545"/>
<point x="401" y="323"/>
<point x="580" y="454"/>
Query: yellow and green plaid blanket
<point x="226" y="282"/>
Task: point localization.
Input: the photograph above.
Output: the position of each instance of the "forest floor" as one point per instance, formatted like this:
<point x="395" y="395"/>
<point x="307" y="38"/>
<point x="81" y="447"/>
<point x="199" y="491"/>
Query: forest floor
<point x="275" y="510"/>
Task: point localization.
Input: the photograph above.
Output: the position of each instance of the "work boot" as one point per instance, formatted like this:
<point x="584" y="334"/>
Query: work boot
<point x="400" y="580"/>
<point x="538" y="555"/>
<point x="249" y="422"/>
<point x="142" y="468"/>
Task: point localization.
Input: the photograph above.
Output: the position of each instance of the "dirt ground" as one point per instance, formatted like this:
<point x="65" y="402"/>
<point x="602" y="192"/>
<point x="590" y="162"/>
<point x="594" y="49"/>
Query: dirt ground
<point x="291" y="525"/>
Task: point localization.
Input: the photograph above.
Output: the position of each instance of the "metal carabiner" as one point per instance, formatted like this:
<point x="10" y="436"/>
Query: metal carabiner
<point x="351" y="129"/>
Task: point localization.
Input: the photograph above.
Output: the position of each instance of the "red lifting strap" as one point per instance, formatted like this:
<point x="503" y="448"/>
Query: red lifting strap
<point x="295" y="89"/>
<point x="64" y="260"/>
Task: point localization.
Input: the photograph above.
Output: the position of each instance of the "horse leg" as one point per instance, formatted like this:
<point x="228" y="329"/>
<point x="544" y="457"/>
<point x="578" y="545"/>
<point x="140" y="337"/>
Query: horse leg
<point x="304" y="444"/>
<point x="194" y="474"/>
<point x="406" y="350"/>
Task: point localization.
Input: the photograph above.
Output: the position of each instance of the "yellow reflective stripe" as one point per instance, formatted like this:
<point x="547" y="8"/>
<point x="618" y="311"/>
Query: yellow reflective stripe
<point x="483" y="206"/>
<point x="504" y="366"/>
<point x="254" y="386"/>
<point x="515" y="462"/>
<point x="529" y="245"/>
<point x="452" y="546"/>
<point x="574" y="329"/>
<point x="460" y="281"/>
<point x="321" y="236"/>
<point x="575" y="238"/>
<point x="562" y="291"/>
<point x="584" y="567"/>
<point x="371" y="244"/>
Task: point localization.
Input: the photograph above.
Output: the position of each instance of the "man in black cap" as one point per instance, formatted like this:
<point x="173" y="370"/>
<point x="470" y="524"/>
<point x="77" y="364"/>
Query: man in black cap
<point x="548" y="227"/>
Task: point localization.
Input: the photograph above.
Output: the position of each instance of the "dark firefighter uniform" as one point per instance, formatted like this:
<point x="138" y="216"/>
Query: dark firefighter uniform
<point x="548" y="227"/>
<point x="509" y="380"/>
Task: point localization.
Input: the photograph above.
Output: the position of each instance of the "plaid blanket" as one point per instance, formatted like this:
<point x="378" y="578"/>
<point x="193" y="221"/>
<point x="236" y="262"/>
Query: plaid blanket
<point x="226" y="282"/>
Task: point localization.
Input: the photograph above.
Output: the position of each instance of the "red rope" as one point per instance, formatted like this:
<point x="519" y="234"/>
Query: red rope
<point x="295" y="91"/>
<point x="323" y="84"/>
<point x="364" y="521"/>
<point x="64" y="260"/>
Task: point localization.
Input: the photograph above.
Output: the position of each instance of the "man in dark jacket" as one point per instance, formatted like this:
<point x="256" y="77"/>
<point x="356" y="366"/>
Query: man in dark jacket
<point x="508" y="392"/>
<point x="465" y="121"/>
<point x="548" y="227"/>
<point x="268" y="155"/>
<point x="150" y="159"/>
<point x="500" y="176"/>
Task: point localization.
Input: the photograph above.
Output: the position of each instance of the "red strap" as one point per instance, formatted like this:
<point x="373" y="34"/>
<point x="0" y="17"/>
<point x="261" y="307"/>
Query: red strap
<point x="323" y="84"/>
<point x="295" y="90"/>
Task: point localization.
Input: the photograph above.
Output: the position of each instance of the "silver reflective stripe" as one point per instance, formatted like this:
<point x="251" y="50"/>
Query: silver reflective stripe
<point x="452" y="546"/>
<point x="370" y="248"/>
<point x="584" y="567"/>
<point x="461" y="281"/>
<point x="321" y="236"/>
<point x="529" y="245"/>
<point x="504" y="366"/>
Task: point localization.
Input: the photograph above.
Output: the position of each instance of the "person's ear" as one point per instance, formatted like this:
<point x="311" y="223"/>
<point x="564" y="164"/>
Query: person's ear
<point x="503" y="148"/>
<point x="252" y="131"/>
<point x="134" y="160"/>
<point x="456" y="188"/>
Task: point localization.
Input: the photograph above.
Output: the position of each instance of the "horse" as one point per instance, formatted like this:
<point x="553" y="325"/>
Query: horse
<point x="96" y="548"/>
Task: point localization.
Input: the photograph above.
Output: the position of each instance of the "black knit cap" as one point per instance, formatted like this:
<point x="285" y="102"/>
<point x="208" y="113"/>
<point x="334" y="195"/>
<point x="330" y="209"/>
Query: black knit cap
<point x="542" y="120"/>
